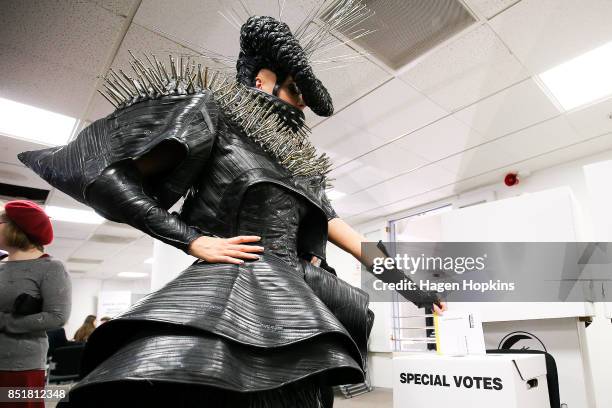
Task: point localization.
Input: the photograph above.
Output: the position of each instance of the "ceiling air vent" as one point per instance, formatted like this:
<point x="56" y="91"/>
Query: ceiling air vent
<point x="406" y="29"/>
<point x="85" y="261"/>
<point x="10" y="192"/>
<point x="111" y="239"/>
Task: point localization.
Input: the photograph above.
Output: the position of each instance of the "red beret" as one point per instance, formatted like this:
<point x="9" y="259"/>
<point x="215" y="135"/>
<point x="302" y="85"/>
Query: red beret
<point x="31" y="219"/>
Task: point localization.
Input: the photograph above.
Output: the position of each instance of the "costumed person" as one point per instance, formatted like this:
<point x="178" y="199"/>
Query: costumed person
<point x="35" y="296"/>
<point x="253" y="322"/>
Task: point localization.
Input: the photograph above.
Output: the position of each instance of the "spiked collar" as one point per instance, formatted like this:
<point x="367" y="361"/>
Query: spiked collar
<point x="276" y="126"/>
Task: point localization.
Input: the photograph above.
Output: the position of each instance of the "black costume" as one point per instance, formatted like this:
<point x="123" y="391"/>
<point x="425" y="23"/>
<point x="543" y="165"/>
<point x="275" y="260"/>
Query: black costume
<point x="276" y="332"/>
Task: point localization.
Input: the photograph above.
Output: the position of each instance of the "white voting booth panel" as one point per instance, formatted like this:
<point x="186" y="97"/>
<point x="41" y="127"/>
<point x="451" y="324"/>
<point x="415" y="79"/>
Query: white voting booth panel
<point x="546" y="216"/>
<point x="425" y="380"/>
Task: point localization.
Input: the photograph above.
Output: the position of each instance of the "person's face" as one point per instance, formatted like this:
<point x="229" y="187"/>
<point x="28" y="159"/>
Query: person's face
<point x="288" y="92"/>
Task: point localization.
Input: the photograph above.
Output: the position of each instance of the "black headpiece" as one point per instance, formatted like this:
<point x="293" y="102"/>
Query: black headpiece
<point x="268" y="43"/>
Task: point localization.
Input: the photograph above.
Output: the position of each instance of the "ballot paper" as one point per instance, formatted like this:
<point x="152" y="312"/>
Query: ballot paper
<point x="459" y="333"/>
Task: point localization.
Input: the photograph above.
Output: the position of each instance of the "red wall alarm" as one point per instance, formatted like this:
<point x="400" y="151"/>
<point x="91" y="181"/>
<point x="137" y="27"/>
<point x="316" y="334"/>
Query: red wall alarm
<point x="511" y="179"/>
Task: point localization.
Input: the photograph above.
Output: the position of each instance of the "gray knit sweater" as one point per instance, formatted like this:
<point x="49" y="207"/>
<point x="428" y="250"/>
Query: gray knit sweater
<point x="23" y="340"/>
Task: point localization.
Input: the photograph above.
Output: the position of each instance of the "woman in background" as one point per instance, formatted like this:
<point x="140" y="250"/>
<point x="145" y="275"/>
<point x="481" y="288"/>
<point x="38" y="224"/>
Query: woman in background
<point x="35" y="296"/>
<point x="88" y="326"/>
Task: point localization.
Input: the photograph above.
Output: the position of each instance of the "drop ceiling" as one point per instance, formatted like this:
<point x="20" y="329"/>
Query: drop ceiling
<point x="456" y="117"/>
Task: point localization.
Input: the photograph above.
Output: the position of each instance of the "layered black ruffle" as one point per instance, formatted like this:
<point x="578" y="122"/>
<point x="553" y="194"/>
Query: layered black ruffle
<point x="250" y="333"/>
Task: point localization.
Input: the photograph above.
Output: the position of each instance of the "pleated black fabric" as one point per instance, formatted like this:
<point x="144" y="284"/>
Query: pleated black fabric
<point x="254" y="330"/>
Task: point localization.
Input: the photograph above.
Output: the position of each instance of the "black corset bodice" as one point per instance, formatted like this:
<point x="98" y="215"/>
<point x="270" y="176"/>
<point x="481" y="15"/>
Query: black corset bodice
<point x="274" y="214"/>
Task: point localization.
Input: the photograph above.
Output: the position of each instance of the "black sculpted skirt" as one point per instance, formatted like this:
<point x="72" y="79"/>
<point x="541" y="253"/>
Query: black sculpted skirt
<point x="261" y="334"/>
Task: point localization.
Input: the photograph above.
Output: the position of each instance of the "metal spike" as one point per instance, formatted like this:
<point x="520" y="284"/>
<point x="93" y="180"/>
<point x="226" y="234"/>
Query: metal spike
<point x="200" y="81"/>
<point x="123" y="84"/>
<point x="162" y="68"/>
<point x="173" y="68"/>
<point x="113" y="94"/>
<point x="213" y="80"/>
<point x="190" y="83"/>
<point x="108" y="98"/>
<point x="129" y="81"/>
<point x="141" y="91"/>
<point x="145" y="85"/>
<point x="152" y="82"/>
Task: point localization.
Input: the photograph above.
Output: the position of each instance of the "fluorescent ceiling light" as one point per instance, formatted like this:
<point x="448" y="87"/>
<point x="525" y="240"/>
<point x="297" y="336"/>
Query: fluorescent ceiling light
<point x="132" y="274"/>
<point x="334" y="194"/>
<point x="39" y="125"/>
<point x="72" y="215"/>
<point x="583" y="79"/>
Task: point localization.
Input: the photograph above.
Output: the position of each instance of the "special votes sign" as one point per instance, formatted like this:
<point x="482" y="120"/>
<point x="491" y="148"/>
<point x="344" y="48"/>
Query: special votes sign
<point x="466" y="381"/>
<point x="423" y="380"/>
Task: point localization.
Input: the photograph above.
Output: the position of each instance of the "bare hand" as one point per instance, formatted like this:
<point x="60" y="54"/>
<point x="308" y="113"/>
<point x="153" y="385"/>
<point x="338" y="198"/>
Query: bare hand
<point x="438" y="310"/>
<point x="225" y="250"/>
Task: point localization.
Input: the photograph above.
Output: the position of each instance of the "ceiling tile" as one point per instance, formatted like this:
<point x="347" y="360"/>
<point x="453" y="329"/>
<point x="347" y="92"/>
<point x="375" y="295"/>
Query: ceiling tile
<point x="61" y="253"/>
<point x="139" y="40"/>
<point x="403" y="205"/>
<point x="119" y="230"/>
<point x="80" y="266"/>
<point x="10" y="147"/>
<point x="553" y="158"/>
<point x="144" y="243"/>
<point x="347" y="84"/>
<point x="199" y="26"/>
<point x="405" y="186"/>
<point x="374" y="168"/>
<point x="21" y="176"/>
<point x="338" y="139"/>
<point x="489" y="8"/>
<point x="592" y="120"/>
<point x="63" y="248"/>
<point x="393" y="109"/>
<point x="46" y="65"/>
<point x="118" y="7"/>
<point x="512" y="109"/>
<point x="469" y="68"/>
<point x="583" y="148"/>
<point x="98" y="250"/>
<point x="440" y="139"/>
<point x="59" y="199"/>
<point x="513" y="148"/>
<point x="73" y="230"/>
<point x="477" y="160"/>
<point x="545" y="33"/>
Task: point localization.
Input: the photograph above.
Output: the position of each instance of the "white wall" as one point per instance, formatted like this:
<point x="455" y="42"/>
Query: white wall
<point x="84" y="302"/>
<point x="85" y="297"/>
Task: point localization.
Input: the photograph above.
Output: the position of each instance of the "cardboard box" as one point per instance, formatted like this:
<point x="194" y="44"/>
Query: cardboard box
<point x="425" y="380"/>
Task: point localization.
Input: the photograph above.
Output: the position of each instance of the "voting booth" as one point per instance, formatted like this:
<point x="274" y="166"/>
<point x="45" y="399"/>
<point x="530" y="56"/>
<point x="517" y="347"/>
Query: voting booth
<point x="424" y="380"/>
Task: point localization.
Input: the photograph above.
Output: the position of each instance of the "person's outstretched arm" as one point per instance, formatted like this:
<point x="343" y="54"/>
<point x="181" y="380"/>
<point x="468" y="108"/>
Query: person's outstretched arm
<point x="345" y="237"/>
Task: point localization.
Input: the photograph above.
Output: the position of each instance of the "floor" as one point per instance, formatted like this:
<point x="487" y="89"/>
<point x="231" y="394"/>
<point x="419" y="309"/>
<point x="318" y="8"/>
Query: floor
<point x="378" y="398"/>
